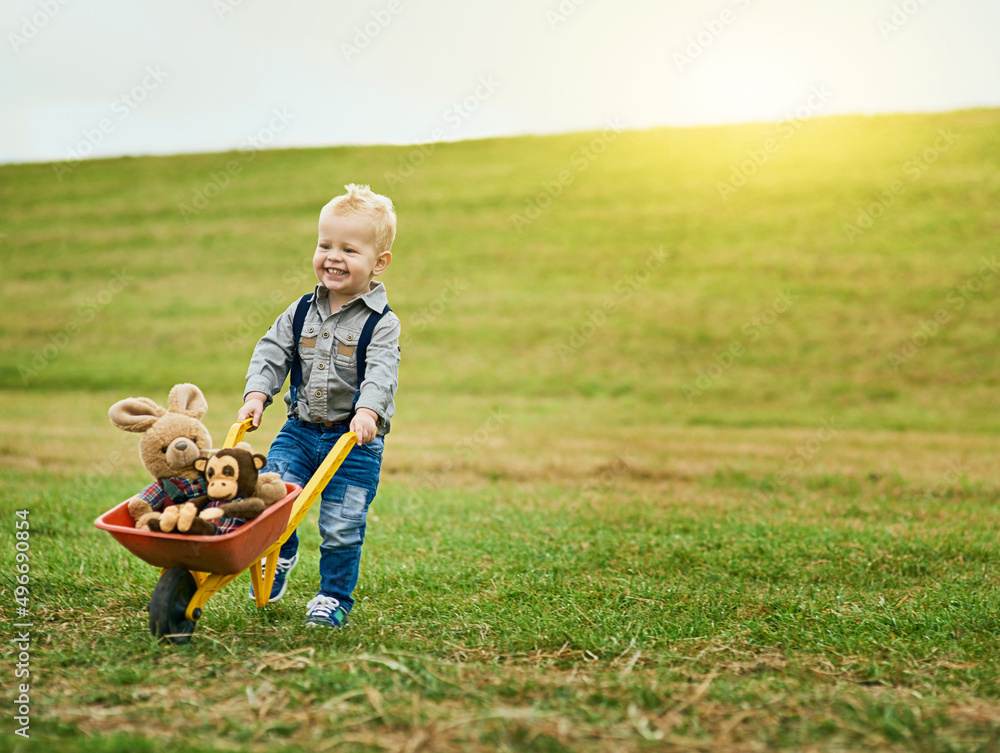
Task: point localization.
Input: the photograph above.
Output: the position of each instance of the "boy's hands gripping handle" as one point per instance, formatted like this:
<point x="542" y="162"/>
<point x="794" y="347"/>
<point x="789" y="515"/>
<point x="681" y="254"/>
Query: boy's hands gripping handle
<point x="364" y="423"/>
<point x="252" y="410"/>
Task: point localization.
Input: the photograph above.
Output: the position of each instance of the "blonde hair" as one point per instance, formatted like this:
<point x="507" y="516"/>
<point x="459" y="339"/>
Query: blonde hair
<point x="377" y="208"/>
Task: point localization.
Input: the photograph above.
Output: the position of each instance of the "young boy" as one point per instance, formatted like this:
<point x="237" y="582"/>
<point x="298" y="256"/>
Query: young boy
<point x="331" y="392"/>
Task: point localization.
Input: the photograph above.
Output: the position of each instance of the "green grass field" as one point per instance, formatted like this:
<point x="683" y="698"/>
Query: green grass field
<point x="696" y="445"/>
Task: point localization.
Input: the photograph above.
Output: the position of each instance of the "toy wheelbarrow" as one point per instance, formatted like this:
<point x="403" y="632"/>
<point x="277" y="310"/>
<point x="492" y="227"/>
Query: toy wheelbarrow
<point x="196" y="567"/>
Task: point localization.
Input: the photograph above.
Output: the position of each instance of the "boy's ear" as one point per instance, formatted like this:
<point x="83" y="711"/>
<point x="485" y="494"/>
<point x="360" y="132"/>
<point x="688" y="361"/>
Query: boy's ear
<point x="382" y="263"/>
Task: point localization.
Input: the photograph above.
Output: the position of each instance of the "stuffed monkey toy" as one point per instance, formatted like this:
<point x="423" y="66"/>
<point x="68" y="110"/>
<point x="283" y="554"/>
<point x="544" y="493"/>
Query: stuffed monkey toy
<point x="231" y="476"/>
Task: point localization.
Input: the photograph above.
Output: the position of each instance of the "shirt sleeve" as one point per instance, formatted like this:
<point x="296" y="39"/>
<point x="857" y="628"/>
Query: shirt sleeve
<point x="269" y="364"/>
<point x="382" y="367"/>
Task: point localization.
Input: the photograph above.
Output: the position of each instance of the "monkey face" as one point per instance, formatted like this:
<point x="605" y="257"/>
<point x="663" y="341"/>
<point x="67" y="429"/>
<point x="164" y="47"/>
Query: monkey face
<point x="231" y="473"/>
<point x="223" y="474"/>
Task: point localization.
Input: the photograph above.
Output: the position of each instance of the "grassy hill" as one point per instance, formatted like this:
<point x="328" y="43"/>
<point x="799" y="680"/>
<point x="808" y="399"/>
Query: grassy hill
<point x="695" y="445"/>
<point x="510" y="250"/>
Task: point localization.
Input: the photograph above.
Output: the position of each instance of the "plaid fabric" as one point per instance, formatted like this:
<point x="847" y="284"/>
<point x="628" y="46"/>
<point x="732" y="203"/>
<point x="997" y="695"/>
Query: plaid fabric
<point x="157" y="495"/>
<point x="225" y="525"/>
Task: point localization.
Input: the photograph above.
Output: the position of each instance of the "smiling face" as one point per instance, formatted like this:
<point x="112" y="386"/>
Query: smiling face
<point x="346" y="259"/>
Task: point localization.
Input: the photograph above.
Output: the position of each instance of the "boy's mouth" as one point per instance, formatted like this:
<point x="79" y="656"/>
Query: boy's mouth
<point x="335" y="272"/>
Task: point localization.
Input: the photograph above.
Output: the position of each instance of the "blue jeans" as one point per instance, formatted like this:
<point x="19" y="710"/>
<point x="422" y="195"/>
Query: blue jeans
<point x="296" y="453"/>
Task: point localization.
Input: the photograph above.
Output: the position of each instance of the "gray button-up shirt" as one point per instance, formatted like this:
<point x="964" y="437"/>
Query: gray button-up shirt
<point x="329" y="359"/>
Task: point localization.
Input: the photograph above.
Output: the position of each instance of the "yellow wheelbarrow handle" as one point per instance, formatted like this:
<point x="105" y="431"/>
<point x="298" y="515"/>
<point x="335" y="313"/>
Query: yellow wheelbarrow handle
<point x="236" y="432"/>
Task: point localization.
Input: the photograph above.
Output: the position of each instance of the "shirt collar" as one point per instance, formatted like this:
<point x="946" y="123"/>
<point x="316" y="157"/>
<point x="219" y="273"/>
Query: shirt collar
<point x="376" y="298"/>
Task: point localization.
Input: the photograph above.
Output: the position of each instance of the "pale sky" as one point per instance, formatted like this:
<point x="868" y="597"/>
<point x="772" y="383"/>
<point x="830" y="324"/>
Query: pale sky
<point x="111" y="77"/>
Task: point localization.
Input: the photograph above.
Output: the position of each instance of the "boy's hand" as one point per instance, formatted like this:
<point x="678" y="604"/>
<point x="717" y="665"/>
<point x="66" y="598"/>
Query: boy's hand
<point x="363" y="424"/>
<point x="253" y="407"/>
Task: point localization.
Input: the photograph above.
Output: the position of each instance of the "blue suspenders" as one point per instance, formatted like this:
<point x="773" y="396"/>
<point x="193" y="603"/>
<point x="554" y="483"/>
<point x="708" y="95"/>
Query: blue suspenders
<point x="362" y="349"/>
<point x="297" y="321"/>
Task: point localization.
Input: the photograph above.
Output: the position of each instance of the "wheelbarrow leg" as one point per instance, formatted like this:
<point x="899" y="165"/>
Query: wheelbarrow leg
<point x="168" y="604"/>
<point x="262" y="583"/>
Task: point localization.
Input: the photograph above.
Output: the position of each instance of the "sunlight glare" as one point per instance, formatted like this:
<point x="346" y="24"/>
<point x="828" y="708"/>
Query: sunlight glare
<point x="747" y="88"/>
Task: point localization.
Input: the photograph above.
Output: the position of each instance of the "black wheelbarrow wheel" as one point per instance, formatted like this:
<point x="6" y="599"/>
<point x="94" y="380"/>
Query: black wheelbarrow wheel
<point x="168" y="604"/>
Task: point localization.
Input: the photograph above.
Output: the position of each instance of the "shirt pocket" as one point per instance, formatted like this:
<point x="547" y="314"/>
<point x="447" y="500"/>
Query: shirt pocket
<point x="345" y="346"/>
<point x="307" y="343"/>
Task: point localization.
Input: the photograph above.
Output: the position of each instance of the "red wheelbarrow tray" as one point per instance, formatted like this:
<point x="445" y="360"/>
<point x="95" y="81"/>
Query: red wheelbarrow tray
<point x="225" y="554"/>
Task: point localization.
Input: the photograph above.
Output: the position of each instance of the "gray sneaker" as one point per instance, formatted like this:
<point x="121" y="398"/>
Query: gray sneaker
<point x="325" y="610"/>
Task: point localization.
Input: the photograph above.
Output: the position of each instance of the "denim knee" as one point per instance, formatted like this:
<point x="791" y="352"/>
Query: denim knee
<point x="343" y="512"/>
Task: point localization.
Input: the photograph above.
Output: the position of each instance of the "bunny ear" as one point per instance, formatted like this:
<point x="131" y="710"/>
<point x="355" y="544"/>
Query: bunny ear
<point x="135" y="414"/>
<point x="187" y="399"/>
